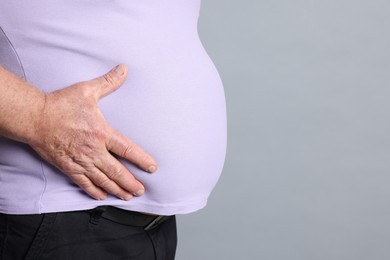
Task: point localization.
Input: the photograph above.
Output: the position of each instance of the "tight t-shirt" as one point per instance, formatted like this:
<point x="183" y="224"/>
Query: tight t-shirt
<point x="172" y="103"/>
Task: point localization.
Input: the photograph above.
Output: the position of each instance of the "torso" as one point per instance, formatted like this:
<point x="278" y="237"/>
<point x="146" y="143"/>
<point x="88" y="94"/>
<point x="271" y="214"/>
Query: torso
<point x="172" y="103"/>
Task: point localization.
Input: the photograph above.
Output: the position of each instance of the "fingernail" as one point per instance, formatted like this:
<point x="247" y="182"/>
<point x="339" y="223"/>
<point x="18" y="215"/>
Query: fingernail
<point x="119" y="70"/>
<point x="152" y="168"/>
<point x="127" y="197"/>
<point x="102" y="197"/>
<point x="139" y="192"/>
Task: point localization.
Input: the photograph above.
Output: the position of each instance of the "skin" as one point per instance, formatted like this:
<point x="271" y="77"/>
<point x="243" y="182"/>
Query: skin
<point x="67" y="129"/>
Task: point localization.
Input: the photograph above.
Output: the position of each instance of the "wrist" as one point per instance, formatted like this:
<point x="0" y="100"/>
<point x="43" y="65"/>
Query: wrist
<point x="33" y="135"/>
<point x="21" y="107"/>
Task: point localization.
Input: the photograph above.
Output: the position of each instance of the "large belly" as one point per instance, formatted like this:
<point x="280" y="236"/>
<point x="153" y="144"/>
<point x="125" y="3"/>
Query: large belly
<point x="172" y="103"/>
<point x="174" y="108"/>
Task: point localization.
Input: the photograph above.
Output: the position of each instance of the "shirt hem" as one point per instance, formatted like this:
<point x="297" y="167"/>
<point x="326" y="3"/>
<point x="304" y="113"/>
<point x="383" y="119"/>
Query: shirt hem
<point x="159" y="209"/>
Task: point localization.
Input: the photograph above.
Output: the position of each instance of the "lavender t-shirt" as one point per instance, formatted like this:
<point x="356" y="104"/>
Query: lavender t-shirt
<point x="172" y="103"/>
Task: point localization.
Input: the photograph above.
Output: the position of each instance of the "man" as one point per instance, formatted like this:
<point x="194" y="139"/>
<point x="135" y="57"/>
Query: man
<point x="73" y="183"/>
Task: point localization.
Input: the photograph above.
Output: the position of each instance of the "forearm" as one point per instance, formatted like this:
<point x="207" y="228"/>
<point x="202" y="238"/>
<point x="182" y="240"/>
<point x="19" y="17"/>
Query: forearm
<point x="20" y="107"/>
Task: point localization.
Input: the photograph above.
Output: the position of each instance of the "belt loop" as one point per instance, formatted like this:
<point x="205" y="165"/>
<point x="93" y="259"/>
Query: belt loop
<point x="96" y="214"/>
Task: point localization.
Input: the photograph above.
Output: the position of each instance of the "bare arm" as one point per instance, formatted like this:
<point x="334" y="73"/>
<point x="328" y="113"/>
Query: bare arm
<point x="67" y="129"/>
<point x="20" y="107"/>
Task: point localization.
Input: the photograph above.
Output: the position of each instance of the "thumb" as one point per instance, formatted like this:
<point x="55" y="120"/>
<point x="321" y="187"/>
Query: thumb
<point x="109" y="82"/>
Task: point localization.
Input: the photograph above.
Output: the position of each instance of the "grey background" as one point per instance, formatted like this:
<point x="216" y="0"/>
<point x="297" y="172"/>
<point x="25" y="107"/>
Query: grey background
<point x="307" y="167"/>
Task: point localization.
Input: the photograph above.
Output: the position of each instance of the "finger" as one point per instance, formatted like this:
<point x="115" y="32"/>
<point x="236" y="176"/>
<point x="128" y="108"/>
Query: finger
<point x="122" y="146"/>
<point x="117" y="179"/>
<point x="101" y="180"/>
<point x="88" y="186"/>
<point x="108" y="83"/>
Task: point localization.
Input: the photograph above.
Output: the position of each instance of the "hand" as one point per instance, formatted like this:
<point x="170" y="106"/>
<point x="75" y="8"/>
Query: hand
<point x="73" y="135"/>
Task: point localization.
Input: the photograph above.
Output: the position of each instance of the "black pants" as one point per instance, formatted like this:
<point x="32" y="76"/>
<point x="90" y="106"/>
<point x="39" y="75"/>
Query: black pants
<point x="83" y="235"/>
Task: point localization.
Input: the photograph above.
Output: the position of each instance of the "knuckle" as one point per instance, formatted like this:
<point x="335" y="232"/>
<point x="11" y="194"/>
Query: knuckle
<point x="98" y="133"/>
<point x="105" y="183"/>
<point x="82" y="181"/>
<point x="115" y="173"/>
<point x="83" y="89"/>
<point x="85" y="185"/>
<point x="109" y="80"/>
<point x="85" y="154"/>
<point x="128" y="149"/>
<point x="70" y="165"/>
<point x="66" y="166"/>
